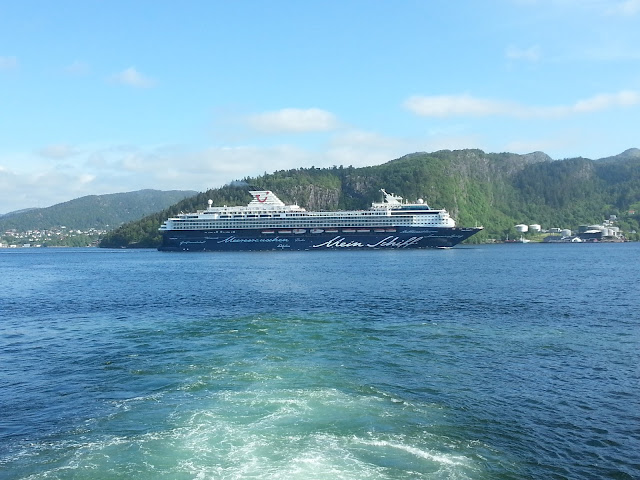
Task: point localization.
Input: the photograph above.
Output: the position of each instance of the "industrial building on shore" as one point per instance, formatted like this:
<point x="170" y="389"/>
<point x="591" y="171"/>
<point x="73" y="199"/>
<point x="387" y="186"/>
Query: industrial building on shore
<point x="606" y="232"/>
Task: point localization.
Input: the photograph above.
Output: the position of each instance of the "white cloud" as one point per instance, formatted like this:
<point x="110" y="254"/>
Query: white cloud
<point x="131" y="77"/>
<point x="86" y="178"/>
<point x="58" y="151"/>
<point x="559" y="141"/>
<point x="626" y="8"/>
<point x="293" y="120"/>
<point x="120" y="168"/>
<point x="604" y="101"/>
<point x="8" y="63"/>
<point x="466" y="105"/>
<point x="531" y="54"/>
<point x="612" y="52"/>
<point x="357" y="138"/>
<point x="41" y="188"/>
<point x="451" y="105"/>
<point x="360" y="148"/>
<point x="77" y="68"/>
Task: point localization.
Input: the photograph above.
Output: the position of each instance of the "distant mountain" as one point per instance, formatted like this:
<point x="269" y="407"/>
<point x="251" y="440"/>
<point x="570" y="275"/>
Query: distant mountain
<point x="94" y="211"/>
<point x="16" y="212"/>
<point x="631" y="153"/>
<point x="496" y="190"/>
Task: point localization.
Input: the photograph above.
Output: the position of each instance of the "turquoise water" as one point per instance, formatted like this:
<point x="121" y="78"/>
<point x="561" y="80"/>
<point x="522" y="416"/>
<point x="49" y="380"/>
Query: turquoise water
<point x="487" y="362"/>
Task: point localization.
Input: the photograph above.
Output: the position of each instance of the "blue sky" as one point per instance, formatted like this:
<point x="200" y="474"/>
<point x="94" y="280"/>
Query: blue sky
<point x="113" y="96"/>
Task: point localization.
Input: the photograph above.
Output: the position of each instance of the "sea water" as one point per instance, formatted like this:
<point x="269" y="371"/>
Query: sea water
<point x="478" y="362"/>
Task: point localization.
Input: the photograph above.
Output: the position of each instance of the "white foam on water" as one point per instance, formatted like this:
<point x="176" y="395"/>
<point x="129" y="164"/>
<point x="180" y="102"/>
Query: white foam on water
<point x="440" y="458"/>
<point x="306" y="434"/>
<point x="261" y="433"/>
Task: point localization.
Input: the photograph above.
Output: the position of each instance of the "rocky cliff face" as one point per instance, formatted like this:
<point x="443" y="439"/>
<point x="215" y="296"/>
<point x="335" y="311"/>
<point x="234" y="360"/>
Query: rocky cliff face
<point x="313" y="197"/>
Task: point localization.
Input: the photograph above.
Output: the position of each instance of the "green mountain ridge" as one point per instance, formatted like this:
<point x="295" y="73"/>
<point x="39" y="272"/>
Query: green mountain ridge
<point x="496" y="190"/>
<point x="628" y="154"/>
<point x="93" y="211"/>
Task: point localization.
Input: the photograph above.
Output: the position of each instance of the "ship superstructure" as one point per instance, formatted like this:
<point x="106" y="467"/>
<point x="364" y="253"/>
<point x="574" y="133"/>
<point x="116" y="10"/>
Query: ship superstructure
<point x="267" y="223"/>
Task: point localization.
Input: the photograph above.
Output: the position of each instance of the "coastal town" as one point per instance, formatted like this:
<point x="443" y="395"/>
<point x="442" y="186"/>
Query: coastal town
<point x="54" y="237"/>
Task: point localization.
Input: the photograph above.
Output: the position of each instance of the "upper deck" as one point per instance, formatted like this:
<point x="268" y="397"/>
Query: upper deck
<point x="266" y="210"/>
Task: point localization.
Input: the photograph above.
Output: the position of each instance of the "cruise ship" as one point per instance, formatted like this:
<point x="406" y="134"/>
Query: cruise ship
<point x="267" y="223"/>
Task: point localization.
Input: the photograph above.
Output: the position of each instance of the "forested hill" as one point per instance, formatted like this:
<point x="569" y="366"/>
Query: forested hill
<point x="94" y="211"/>
<point x="497" y="190"/>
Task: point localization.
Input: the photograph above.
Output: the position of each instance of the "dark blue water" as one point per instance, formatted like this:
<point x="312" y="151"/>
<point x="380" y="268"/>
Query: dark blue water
<point x="487" y="362"/>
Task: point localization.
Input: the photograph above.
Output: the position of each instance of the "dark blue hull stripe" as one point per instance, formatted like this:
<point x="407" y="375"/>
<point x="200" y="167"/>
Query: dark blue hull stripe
<point x="249" y="240"/>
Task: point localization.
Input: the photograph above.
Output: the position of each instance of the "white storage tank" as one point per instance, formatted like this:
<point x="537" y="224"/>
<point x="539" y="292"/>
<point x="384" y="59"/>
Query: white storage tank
<point x="566" y="232"/>
<point x="535" y="227"/>
<point x="522" y="228"/>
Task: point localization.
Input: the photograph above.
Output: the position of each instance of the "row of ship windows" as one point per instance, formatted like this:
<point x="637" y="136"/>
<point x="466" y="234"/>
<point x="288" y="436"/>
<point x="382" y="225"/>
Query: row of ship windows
<point x="280" y="221"/>
<point x="190" y="225"/>
<point x="316" y="220"/>
<point x="289" y="214"/>
<point x="383" y="213"/>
